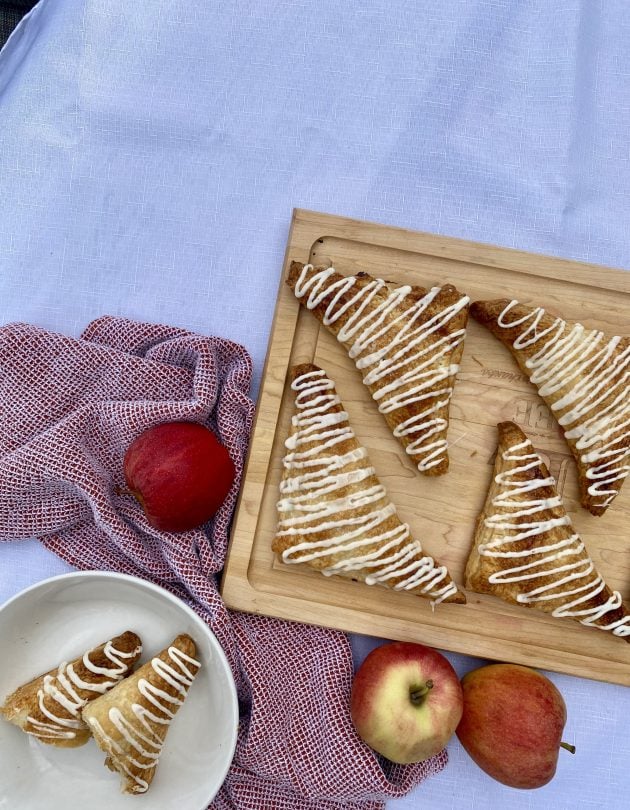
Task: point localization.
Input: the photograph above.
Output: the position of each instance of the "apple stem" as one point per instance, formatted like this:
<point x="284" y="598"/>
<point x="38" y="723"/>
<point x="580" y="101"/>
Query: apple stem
<point x="418" y="695"/>
<point x="122" y="491"/>
<point x="568" y="747"/>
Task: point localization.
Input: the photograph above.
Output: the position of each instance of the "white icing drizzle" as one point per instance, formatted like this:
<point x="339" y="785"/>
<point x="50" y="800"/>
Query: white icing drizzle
<point x="309" y="496"/>
<point x="574" y="575"/>
<point x="410" y="349"/>
<point x="585" y="360"/>
<point x="138" y="730"/>
<point x="60" y="691"/>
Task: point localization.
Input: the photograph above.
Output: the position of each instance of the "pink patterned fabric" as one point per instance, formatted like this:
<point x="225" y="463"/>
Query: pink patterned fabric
<point x="68" y="410"/>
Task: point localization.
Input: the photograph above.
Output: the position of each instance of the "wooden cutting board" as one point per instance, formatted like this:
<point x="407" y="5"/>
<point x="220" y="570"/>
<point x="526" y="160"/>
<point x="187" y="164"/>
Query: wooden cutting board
<point x="441" y="511"/>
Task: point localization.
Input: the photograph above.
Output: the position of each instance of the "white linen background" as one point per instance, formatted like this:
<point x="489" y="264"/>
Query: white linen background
<point x="151" y="154"/>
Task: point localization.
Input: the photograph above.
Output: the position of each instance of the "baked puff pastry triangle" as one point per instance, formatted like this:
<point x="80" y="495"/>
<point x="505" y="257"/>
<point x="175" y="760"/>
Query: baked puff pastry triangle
<point x="130" y="723"/>
<point x="49" y="707"/>
<point x="406" y="342"/>
<point x="525" y="549"/>
<point x="334" y="514"/>
<point x="584" y="377"/>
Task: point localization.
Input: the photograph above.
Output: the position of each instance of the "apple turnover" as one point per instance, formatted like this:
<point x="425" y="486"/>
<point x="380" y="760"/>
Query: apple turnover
<point x="584" y="377"/>
<point x="49" y="707"/>
<point x="525" y="549"/>
<point x="406" y="342"/>
<point x="130" y="722"/>
<point x="334" y="514"/>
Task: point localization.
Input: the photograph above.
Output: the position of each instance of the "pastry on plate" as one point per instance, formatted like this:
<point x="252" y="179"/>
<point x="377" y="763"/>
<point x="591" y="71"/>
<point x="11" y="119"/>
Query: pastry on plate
<point x="130" y="722"/>
<point x="334" y="514"/>
<point x="49" y="707"/>
<point x="527" y="552"/>
<point x="584" y="377"/>
<point x="406" y="342"/>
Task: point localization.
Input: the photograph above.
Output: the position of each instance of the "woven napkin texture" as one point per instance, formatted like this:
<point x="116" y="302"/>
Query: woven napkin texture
<point x="68" y="410"/>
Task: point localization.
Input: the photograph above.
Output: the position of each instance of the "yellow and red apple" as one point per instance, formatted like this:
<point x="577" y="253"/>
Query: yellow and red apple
<point x="180" y="473"/>
<point x="406" y="701"/>
<point x="512" y="724"/>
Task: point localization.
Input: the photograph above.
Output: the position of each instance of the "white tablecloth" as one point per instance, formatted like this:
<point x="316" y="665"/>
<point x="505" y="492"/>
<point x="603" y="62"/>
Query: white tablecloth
<point x="151" y="154"/>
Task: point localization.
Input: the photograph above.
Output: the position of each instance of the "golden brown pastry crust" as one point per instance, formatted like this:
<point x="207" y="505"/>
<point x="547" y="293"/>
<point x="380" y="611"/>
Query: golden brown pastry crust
<point x="429" y="327"/>
<point x="129" y="727"/>
<point x="525" y="549"/>
<point x="34" y="706"/>
<point x="589" y="379"/>
<point x="329" y="490"/>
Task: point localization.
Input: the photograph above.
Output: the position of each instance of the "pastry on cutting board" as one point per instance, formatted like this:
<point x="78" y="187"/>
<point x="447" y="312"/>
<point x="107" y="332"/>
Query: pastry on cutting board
<point x="406" y="342"/>
<point x="131" y="721"/>
<point x="334" y="514"/>
<point x="584" y="377"/>
<point x="49" y="707"/>
<point x="525" y="549"/>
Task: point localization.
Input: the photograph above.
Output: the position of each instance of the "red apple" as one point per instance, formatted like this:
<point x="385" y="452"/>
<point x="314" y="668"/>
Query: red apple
<point x="406" y="701"/>
<point x="180" y="473"/>
<point x="512" y="724"/>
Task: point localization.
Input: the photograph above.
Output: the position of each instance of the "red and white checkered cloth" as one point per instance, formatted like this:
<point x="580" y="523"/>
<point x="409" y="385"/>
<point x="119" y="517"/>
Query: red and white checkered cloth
<point x="68" y="410"/>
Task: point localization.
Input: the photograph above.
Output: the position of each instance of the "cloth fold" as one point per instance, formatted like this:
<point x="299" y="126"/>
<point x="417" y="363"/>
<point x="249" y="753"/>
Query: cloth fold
<point x="68" y="409"/>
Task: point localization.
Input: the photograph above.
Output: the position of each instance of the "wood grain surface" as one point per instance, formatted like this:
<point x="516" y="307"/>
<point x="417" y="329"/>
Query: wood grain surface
<point x="441" y="511"/>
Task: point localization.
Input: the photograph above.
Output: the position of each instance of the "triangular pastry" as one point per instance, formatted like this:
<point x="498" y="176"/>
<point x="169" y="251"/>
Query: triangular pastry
<point x="584" y="377"/>
<point x="49" y="707"/>
<point x="526" y="550"/>
<point x="334" y="514"/>
<point x="406" y="342"/>
<point x="130" y="722"/>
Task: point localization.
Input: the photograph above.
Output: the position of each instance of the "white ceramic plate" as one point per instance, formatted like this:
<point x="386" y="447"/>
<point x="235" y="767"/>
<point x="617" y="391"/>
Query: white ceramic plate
<point x="57" y="620"/>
